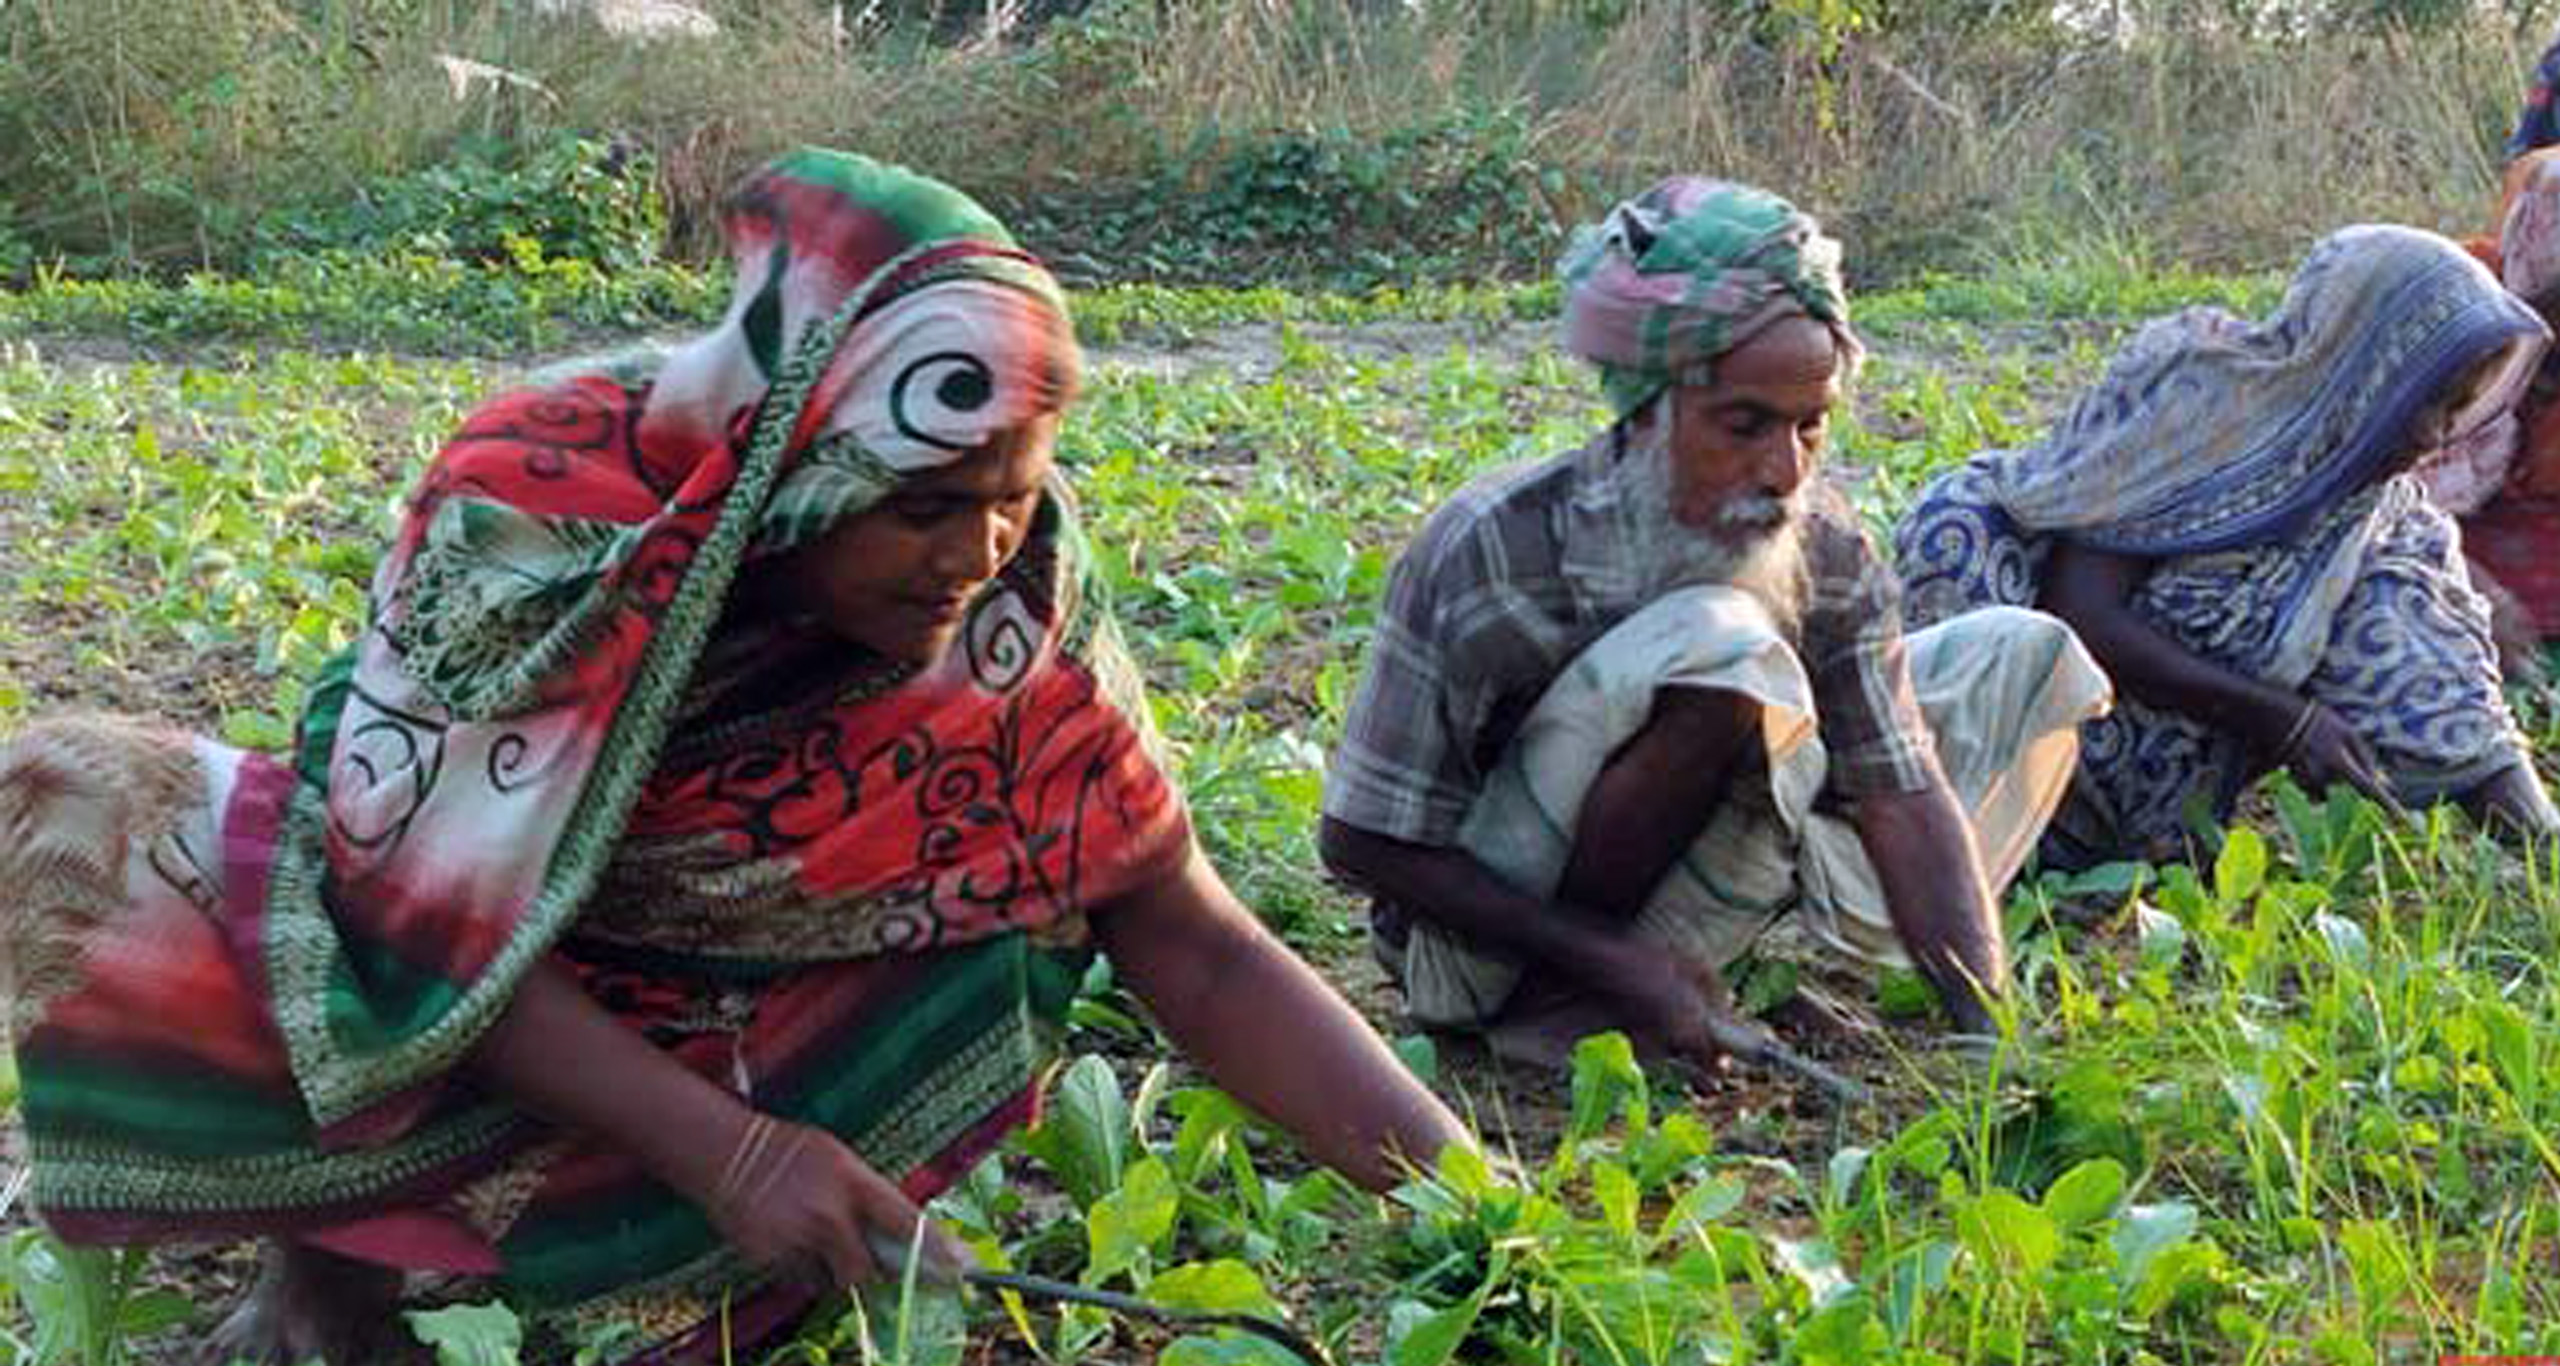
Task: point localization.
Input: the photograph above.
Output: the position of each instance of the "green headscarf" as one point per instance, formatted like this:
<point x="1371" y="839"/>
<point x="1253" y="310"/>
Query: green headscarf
<point x="1687" y="271"/>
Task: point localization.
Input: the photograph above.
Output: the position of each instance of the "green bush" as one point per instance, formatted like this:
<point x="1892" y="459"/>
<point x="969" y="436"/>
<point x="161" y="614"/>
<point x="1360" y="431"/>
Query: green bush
<point x="1461" y="197"/>
<point x="574" y="198"/>
<point x="1463" y="183"/>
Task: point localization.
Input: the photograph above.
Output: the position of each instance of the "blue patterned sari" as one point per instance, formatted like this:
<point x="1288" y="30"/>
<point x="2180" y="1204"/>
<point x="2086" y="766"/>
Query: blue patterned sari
<point x="2255" y="465"/>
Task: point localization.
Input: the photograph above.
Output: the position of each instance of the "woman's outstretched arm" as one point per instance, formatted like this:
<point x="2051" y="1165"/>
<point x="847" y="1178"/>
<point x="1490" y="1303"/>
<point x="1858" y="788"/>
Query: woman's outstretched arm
<point x="1269" y="1030"/>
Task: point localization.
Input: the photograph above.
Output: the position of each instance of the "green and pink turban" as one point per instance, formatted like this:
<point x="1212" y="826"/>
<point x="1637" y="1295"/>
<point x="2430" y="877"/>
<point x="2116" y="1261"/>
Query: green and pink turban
<point x="1687" y="271"/>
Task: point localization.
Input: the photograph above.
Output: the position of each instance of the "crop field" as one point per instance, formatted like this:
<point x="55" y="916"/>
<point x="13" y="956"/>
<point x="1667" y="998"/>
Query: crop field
<point x="2300" y="1103"/>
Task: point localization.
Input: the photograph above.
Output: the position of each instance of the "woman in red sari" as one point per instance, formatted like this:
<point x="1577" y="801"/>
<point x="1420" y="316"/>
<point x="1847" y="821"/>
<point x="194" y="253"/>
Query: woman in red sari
<point x="2503" y="481"/>
<point x="675" y="884"/>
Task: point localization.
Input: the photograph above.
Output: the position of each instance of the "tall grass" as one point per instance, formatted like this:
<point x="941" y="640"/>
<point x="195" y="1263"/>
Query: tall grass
<point x="157" y="132"/>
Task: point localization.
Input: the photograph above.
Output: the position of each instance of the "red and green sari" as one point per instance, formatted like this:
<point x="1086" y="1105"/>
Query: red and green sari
<point x="851" y="890"/>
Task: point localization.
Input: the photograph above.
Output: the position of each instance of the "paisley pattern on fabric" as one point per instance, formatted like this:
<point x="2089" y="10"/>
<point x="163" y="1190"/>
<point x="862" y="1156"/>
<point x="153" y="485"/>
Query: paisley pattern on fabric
<point x="2209" y="432"/>
<point x="2366" y="610"/>
<point x="988" y="778"/>
<point x="2249" y="463"/>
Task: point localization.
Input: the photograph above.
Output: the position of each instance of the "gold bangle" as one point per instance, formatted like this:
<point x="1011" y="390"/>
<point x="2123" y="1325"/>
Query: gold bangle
<point x="785" y="1142"/>
<point x="744" y="1157"/>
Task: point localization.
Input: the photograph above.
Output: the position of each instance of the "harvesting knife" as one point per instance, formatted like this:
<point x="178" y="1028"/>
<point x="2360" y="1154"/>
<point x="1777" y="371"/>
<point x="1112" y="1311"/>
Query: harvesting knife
<point x="892" y="1256"/>
<point x="1745" y="1044"/>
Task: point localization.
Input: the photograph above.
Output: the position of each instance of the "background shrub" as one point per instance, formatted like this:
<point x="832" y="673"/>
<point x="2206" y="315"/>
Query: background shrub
<point x="573" y="198"/>
<point x="1310" y="140"/>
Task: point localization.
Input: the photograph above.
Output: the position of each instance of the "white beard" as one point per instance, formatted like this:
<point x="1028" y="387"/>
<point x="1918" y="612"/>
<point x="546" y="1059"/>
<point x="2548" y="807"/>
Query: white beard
<point x="1756" y="543"/>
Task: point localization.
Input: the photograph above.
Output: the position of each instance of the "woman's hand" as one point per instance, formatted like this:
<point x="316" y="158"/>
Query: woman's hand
<point x="794" y="1199"/>
<point x="2323" y="750"/>
<point x="787" y="1196"/>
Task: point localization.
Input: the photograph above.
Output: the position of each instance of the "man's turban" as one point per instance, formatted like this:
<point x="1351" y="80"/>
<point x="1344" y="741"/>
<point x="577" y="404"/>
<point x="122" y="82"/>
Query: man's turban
<point x="1687" y="271"/>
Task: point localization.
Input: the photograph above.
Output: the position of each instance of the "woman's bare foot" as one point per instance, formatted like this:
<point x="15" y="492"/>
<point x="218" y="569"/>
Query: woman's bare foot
<point x="309" y="1305"/>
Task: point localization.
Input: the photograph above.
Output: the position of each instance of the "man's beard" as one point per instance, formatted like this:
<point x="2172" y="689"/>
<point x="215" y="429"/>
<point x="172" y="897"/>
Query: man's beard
<point x="1755" y="543"/>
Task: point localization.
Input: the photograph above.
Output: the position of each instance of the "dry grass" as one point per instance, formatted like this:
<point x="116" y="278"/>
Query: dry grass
<point x="159" y="129"/>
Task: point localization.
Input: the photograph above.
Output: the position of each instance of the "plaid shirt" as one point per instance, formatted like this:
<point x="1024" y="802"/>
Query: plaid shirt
<point x="1515" y="575"/>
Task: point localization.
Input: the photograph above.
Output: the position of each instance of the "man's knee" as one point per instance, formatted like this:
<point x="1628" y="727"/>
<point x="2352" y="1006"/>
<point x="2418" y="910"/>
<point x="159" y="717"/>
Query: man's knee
<point x="1989" y="643"/>
<point x="1701" y="724"/>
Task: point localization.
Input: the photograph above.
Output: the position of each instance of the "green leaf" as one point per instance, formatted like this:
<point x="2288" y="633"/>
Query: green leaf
<point x="153" y="1310"/>
<point x="1924" y="1149"/>
<point x="2188" y="1272"/>
<point x="1614" y="1190"/>
<point x="1084" y="1138"/>
<point x="1840" y="1180"/>
<point x="1418" y="1335"/>
<point x="2086" y="1193"/>
<point x="1699" y="1206"/>
<point x="1841" y="1333"/>
<point x="1225" y="1286"/>
<point x="1151" y="1093"/>
<point x="1210" y="1120"/>
<point x="913" y="1323"/>
<point x="1766" y="984"/>
<point x="2144" y="1232"/>
<point x="68" y="1291"/>
<point x="258" y="730"/>
<point x="1605" y="1076"/>
<point x="2511" y="1050"/>
<point x="2164" y="936"/>
<point x="2375" y="1259"/>
<point x="1912" y="1277"/>
<point x="1236" y="1349"/>
<point x="2000" y="1228"/>
<point x="2110" y="880"/>
<point x="1420" y="1056"/>
<point x="2342" y="1348"/>
<point x="2303" y="821"/>
<point x="1816" y="1267"/>
<point x="2241" y="868"/>
<point x="1462" y="1168"/>
<point x="1902" y="994"/>
<point x="1125" y="1224"/>
<point x="470" y="1334"/>
<point x="2346" y="941"/>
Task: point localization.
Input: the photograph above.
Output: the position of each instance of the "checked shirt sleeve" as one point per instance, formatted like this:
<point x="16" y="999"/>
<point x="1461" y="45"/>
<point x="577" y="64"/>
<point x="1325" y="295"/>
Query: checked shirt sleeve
<point x="1853" y="648"/>
<point x="1451" y="630"/>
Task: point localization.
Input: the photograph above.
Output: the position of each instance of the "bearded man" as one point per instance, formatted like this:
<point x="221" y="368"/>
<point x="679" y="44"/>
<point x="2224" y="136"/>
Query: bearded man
<point x="1631" y="706"/>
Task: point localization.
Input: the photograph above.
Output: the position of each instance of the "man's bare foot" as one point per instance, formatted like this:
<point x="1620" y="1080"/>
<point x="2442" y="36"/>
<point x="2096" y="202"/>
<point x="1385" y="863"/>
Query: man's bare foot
<point x="308" y="1305"/>
<point x="1541" y="1033"/>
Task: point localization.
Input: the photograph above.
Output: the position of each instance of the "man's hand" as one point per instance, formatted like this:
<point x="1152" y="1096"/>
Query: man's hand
<point x="1673" y="1002"/>
<point x="1921" y="844"/>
